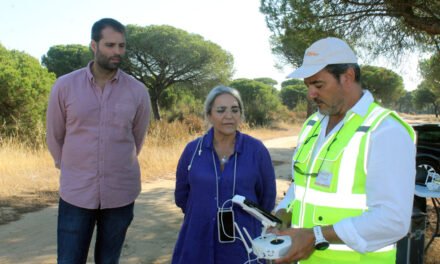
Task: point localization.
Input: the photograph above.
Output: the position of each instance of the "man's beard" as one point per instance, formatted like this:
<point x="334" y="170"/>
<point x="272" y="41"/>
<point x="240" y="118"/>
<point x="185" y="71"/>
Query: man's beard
<point x="324" y="108"/>
<point x="104" y="62"/>
<point x="318" y="105"/>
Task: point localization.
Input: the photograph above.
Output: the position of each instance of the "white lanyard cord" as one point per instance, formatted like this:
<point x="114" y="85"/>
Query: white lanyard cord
<point x="216" y="178"/>
<point x="199" y="147"/>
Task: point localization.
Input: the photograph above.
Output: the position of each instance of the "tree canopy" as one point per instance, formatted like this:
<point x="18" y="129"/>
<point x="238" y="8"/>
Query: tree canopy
<point x="266" y="80"/>
<point x="292" y="95"/>
<point x="385" y="85"/>
<point x="406" y="103"/>
<point x="424" y="98"/>
<point x="160" y="56"/>
<point x="261" y="105"/>
<point x="381" y="26"/>
<point x="292" y="82"/>
<point x="430" y="71"/>
<point x="24" y="90"/>
<point x="62" y="59"/>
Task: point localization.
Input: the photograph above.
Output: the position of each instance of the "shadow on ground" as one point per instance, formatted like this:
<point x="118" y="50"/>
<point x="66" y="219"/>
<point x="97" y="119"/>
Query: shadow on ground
<point x="13" y="207"/>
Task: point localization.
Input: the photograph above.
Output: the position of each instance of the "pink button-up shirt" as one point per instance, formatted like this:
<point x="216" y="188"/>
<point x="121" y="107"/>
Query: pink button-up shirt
<point x="95" y="136"/>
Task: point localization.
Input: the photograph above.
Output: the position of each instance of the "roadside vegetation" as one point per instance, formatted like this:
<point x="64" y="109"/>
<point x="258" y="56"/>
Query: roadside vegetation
<point x="29" y="170"/>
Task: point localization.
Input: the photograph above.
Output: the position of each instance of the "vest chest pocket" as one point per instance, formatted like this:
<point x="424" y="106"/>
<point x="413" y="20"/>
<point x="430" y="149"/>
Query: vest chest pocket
<point x="326" y="178"/>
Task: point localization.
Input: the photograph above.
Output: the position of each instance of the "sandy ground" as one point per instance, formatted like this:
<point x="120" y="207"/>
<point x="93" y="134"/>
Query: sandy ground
<point x="151" y="236"/>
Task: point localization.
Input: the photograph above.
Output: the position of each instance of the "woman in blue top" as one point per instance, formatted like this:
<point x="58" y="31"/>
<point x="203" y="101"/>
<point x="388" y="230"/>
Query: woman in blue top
<point x="211" y="170"/>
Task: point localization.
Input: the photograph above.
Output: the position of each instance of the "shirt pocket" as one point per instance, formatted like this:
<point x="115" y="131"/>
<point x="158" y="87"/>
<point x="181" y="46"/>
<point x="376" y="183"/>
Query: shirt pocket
<point x="122" y="115"/>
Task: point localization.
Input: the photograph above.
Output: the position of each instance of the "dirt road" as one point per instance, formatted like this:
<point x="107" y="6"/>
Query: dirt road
<point x="151" y="236"/>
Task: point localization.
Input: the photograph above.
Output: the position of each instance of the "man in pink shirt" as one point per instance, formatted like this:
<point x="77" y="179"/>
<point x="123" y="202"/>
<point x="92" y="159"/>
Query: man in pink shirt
<point x="97" y="119"/>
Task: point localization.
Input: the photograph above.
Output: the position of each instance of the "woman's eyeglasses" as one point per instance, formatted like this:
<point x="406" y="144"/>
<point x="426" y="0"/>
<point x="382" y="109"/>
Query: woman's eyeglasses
<point x="223" y="109"/>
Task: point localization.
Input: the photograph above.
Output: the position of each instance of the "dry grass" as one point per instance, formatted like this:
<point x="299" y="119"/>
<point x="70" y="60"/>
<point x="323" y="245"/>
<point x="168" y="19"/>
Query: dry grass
<point x="166" y="142"/>
<point x="274" y="131"/>
<point x="25" y="170"/>
<point x="29" y="181"/>
<point x="28" y="171"/>
<point x="162" y="149"/>
<point x="420" y="118"/>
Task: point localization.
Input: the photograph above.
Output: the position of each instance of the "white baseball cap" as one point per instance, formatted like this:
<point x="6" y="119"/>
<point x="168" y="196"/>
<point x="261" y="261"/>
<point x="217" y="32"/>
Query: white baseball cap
<point x="322" y="53"/>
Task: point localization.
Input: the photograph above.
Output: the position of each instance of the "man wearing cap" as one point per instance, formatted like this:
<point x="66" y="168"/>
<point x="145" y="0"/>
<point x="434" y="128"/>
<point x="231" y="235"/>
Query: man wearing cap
<point x="353" y="168"/>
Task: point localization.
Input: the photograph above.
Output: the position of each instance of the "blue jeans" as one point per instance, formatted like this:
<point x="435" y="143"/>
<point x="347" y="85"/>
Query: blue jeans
<point x="75" y="230"/>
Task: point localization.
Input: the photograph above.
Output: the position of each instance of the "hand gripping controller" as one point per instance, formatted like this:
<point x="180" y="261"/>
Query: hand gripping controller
<point x="266" y="246"/>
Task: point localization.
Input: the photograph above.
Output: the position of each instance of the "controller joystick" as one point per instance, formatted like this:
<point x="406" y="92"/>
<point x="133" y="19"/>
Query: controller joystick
<point x="267" y="246"/>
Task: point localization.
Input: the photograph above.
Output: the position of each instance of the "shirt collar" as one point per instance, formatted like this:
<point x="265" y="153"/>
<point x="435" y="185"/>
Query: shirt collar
<point x="361" y="107"/>
<point x="91" y="77"/>
<point x="209" y="140"/>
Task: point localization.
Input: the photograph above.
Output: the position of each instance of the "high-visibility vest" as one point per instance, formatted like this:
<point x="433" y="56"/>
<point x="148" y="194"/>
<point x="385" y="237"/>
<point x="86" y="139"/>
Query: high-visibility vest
<point x="340" y="191"/>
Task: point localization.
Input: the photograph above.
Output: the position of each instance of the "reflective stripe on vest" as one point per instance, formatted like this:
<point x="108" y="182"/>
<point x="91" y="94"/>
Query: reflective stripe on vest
<point x="343" y="157"/>
<point x="308" y="127"/>
<point x="342" y="247"/>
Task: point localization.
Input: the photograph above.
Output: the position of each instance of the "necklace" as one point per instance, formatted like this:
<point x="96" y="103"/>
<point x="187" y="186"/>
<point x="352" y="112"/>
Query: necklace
<point x="225" y="151"/>
<point x="223" y="160"/>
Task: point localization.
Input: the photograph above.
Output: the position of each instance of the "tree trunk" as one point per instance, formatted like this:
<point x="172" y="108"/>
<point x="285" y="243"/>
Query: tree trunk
<point x="155" y="108"/>
<point x="436" y="110"/>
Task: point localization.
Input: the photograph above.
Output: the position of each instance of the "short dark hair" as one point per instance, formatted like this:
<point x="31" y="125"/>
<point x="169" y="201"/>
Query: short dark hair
<point x="103" y="23"/>
<point x="337" y="69"/>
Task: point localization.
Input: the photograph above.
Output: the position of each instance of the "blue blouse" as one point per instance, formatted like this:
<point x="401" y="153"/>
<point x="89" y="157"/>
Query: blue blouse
<point x="196" y="195"/>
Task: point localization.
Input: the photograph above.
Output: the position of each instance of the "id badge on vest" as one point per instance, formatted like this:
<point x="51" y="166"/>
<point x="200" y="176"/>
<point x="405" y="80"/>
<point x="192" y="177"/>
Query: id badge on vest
<point x="324" y="179"/>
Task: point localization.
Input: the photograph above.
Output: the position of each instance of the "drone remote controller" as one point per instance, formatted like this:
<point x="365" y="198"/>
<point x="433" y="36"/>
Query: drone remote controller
<point x="266" y="246"/>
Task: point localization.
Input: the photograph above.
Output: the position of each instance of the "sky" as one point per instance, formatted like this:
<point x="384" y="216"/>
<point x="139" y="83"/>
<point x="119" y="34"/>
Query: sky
<point x="236" y="25"/>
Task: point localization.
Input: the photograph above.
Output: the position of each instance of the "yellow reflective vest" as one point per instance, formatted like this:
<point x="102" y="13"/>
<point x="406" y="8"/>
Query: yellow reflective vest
<point x="331" y="186"/>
